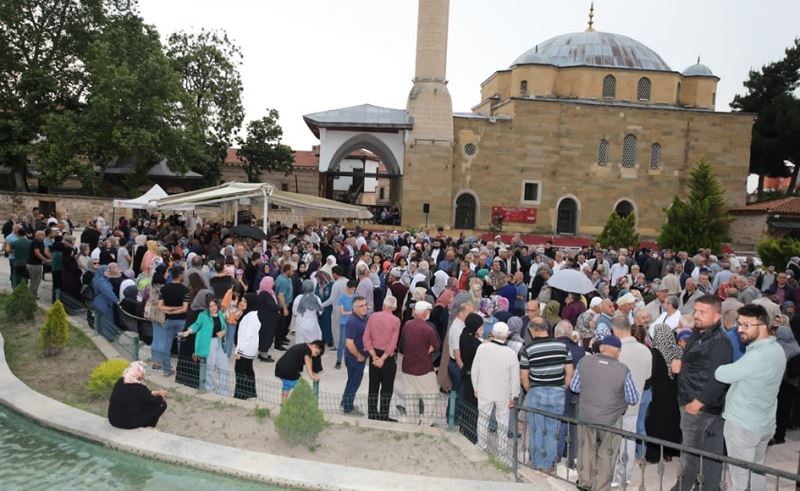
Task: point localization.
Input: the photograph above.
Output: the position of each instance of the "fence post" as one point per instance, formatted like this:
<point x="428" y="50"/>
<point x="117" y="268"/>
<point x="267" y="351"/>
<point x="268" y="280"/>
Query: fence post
<point x="451" y="411"/>
<point x="315" y="387"/>
<point x="515" y="436"/>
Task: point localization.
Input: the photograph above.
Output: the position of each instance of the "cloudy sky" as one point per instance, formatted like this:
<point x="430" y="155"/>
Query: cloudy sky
<point x="304" y="56"/>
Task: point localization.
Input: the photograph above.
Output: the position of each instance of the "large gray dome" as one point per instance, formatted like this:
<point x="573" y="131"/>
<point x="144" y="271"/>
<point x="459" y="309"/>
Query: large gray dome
<point x="593" y="48"/>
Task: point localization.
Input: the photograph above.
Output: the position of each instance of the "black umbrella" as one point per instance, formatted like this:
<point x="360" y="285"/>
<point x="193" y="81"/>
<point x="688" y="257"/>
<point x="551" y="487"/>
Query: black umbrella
<point x="249" y="231"/>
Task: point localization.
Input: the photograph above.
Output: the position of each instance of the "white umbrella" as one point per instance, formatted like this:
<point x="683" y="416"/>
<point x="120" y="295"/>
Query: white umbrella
<point x="571" y="280"/>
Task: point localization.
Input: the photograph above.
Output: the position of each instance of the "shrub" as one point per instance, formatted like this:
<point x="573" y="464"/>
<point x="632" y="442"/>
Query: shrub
<point x="54" y="335"/>
<point x="105" y="375"/>
<point x="777" y="252"/>
<point x="21" y="305"/>
<point x="300" y="421"/>
<point x="619" y="232"/>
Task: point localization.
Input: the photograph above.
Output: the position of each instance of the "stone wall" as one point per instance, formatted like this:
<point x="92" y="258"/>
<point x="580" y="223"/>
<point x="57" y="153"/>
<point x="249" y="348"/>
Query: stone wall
<point x="307" y="179"/>
<point x="556" y="143"/>
<point x="747" y="230"/>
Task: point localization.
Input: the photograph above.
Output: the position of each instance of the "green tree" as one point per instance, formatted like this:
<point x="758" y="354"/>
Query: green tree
<point x="134" y="109"/>
<point x="619" y="231"/>
<point x="262" y="150"/>
<point x="771" y="95"/>
<point x="208" y="64"/>
<point x="44" y="43"/>
<point x="54" y="334"/>
<point x="777" y="252"/>
<point x="300" y="421"/>
<point x="701" y="220"/>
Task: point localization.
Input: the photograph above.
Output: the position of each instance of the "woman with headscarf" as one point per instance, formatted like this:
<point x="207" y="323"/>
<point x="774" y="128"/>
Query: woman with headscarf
<point x="323" y="291"/>
<point x="247" y="347"/>
<point x="475" y="292"/>
<point x="330" y="262"/>
<point x="306" y="309"/>
<point x="71" y="280"/>
<point x="233" y="313"/>
<point x="139" y="249"/>
<point x="269" y="316"/>
<point x="514" y="340"/>
<point x="130" y="303"/>
<point x="467" y="402"/>
<point x="551" y="311"/>
<point x="187" y="370"/>
<point x="209" y="329"/>
<point x="149" y="255"/>
<point x="132" y="404"/>
<point x="663" y="420"/>
<point x="494" y="308"/>
<point x="103" y="303"/>
<point x="439" y="283"/>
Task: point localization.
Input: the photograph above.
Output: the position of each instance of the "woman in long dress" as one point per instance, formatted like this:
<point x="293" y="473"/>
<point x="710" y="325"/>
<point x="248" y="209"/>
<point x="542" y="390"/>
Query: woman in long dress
<point x="306" y="310"/>
<point x="323" y="291"/>
<point x="663" y="419"/>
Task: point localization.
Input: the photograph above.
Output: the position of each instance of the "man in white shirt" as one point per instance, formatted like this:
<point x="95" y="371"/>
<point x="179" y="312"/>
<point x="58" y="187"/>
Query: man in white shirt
<point x="618" y="270"/>
<point x="671" y="316"/>
<point x="453" y="337"/>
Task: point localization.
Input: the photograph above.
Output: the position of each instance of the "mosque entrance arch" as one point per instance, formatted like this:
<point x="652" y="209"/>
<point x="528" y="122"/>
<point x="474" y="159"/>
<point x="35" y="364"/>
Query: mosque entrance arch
<point x="466" y="209"/>
<point x="567" y="217"/>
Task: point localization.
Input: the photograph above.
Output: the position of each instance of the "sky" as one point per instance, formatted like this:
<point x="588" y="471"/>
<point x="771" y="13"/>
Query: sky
<point x="305" y="56"/>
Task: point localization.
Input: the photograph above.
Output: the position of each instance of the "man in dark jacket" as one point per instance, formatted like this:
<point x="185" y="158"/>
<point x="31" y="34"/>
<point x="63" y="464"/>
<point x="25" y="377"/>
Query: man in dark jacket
<point x="700" y="396"/>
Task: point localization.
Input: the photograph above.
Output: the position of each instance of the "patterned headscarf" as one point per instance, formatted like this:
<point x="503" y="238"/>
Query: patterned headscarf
<point x="664" y="342"/>
<point x="308" y="301"/>
<point x="135" y="373"/>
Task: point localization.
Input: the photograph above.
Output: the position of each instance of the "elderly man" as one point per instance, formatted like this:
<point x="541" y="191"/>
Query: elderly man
<point x="606" y="389"/>
<point x="494" y="379"/>
<point x="637" y="357"/>
<point x="656" y="306"/>
<point x="545" y="371"/>
<point x="687" y="297"/>
<point x="37" y="258"/>
<point x="380" y="340"/>
<point x="419" y="380"/>
<point x="751" y="401"/>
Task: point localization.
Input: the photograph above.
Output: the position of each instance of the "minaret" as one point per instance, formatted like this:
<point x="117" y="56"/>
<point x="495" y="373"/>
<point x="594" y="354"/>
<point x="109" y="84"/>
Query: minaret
<point x="429" y="147"/>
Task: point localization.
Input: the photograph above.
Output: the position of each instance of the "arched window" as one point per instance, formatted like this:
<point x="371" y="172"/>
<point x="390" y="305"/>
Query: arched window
<point x="678" y="94"/>
<point x="643" y="91"/>
<point x="523" y="88"/>
<point x="624" y="208"/>
<point x="713" y="99"/>
<point x="602" y="152"/>
<point x="655" y="156"/>
<point x="609" y="87"/>
<point x="629" y="151"/>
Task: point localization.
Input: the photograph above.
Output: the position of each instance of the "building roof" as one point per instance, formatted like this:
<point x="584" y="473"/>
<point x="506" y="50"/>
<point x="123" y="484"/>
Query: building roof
<point x="365" y="116"/>
<point x="595" y="49"/>
<point x="783" y="206"/>
<point x="161" y="169"/>
<point x="698" y="70"/>
<point x="302" y="158"/>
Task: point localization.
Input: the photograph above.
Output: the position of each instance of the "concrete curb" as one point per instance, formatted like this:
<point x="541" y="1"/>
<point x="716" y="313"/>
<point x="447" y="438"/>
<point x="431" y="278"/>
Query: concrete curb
<point x="272" y="469"/>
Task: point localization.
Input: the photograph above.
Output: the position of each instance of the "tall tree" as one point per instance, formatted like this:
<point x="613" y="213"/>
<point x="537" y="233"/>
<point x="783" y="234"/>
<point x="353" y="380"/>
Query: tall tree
<point x="619" y="231"/>
<point x="262" y="150"/>
<point x="701" y="220"/>
<point x="208" y="63"/>
<point x="770" y="94"/>
<point x="41" y="66"/>
<point x="133" y="110"/>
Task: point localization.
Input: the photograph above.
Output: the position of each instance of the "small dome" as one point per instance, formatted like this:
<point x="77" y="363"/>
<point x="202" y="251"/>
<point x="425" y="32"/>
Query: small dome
<point x="532" y="57"/>
<point x="698" y="70"/>
<point x="598" y="49"/>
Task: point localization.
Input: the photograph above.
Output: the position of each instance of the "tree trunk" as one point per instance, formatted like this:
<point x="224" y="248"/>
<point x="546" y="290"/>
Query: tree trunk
<point x="760" y="188"/>
<point x="793" y="181"/>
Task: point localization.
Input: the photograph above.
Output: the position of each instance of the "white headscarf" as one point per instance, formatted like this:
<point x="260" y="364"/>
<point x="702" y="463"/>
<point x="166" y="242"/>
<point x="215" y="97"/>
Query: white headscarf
<point x="439" y="283"/>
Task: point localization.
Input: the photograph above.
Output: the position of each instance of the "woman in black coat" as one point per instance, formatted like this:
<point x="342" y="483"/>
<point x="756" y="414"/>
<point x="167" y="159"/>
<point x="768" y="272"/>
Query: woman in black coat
<point x="71" y="280"/>
<point x="467" y="402"/>
<point x="269" y="316"/>
<point x="132" y="404"/>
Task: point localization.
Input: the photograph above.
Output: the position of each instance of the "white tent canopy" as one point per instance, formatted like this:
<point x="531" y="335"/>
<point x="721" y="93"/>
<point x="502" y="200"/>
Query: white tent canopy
<point x="147" y="200"/>
<point x="234" y="191"/>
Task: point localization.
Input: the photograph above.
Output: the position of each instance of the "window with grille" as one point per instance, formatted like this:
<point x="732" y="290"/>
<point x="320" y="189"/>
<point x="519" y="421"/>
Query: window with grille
<point x="609" y="87"/>
<point x="655" y="156"/>
<point x="470" y="149"/>
<point x="602" y="152"/>
<point x="629" y="151"/>
<point x="530" y="192"/>
<point x="643" y="91"/>
<point x="523" y="88"/>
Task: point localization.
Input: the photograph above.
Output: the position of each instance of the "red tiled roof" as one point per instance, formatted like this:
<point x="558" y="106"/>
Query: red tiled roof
<point x="302" y="158"/>
<point x="783" y="206"/>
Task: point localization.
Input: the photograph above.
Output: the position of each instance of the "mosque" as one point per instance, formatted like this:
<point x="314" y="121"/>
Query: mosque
<point x="577" y="127"/>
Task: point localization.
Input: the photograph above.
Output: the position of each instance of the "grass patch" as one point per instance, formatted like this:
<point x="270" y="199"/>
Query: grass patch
<point x="63" y="377"/>
<point x="498" y="464"/>
<point x="261" y="413"/>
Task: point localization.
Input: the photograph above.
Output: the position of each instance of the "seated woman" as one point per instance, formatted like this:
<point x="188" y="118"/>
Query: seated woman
<point x="130" y="303"/>
<point x="132" y="404"/>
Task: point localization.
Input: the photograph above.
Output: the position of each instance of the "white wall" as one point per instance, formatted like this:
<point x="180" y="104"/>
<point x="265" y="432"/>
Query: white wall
<point x="348" y="165"/>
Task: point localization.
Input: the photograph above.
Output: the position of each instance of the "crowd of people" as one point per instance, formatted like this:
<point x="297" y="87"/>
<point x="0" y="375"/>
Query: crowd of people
<point x="698" y="349"/>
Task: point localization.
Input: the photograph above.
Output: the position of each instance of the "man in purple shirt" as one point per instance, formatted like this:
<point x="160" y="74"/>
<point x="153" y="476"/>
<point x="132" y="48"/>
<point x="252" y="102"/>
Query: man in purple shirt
<point x="355" y="355"/>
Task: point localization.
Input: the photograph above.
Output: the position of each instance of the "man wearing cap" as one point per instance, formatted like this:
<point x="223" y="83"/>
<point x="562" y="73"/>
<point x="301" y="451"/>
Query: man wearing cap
<point x="656" y="306"/>
<point x="398" y="289"/>
<point x="494" y="379"/>
<point x="419" y="380"/>
<point x="606" y="389"/>
<point x="545" y="370"/>
<point x="701" y="397"/>
<point x="688" y="296"/>
<point x="625" y="305"/>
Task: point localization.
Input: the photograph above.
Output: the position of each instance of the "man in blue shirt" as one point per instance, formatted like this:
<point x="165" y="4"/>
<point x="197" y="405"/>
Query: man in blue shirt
<point x="355" y="356"/>
<point x="283" y="290"/>
<point x="731" y="324"/>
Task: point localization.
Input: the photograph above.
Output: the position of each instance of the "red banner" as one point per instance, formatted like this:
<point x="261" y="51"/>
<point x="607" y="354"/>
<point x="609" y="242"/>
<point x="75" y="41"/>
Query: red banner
<point x="517" y="215"/>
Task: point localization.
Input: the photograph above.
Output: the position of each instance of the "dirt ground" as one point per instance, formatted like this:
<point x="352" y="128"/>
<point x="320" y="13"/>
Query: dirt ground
<point x="64" y="378"/>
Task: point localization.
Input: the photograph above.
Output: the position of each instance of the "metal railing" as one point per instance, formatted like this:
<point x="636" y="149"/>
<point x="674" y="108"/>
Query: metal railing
<point x="607" y="455"/>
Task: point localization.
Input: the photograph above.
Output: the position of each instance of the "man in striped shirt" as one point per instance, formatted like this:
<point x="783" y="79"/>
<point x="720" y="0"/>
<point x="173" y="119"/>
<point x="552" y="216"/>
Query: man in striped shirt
<point x="545" y="372"/>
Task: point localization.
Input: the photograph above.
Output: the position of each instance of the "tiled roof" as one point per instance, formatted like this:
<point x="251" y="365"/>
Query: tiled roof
<point x="783" y="206"/>
<point x="302" y="158"/>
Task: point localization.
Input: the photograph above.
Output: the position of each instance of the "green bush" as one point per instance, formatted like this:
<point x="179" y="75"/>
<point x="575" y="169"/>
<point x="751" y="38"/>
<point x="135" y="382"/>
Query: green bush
<point x="300" y="421"/>
<point x="54" y="335"/>
<point x="21" y="305"/>
<point x="105" y="375"/>
<point x="777" y="252"/>
<point x="619" y="232"/>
